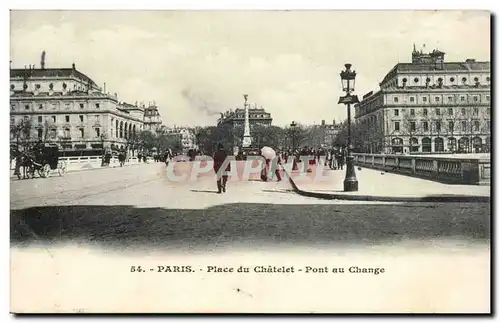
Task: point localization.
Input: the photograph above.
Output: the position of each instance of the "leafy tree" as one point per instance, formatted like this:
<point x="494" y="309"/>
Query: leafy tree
<point x="21" y="132"/>
<point x="271" y="136"/>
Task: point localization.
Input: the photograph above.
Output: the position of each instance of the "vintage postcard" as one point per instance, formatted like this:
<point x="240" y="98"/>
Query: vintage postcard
<point x="273" y="161"/>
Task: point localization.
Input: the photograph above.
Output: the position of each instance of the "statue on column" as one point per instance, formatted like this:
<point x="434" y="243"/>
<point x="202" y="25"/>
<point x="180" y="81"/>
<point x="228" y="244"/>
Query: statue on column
<point x="247" y="138"/>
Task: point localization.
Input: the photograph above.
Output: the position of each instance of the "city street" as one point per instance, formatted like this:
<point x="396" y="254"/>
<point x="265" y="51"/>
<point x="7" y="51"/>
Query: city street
<point x="136" y="206"/>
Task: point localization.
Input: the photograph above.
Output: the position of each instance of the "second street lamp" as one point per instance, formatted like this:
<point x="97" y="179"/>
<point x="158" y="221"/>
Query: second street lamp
<point x="292" y="128"/>
<point x="348" y="78"/>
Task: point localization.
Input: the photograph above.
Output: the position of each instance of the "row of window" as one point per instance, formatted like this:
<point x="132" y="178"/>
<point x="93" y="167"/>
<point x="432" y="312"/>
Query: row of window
<point x="450" y="99"/>
<point x="412" y="125"/>
<point x="52" y="133"/>
<point x="463" y="144"/>
<point x="463" y="111"/>
<point x="67" y="118"/>
<point x="440" y="80"/>
<point x="27" y="106"/>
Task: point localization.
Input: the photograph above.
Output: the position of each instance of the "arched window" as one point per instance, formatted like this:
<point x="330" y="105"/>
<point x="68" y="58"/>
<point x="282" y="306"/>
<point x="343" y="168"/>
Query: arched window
<point x="426" y="145"/>
<point x="414" y="144"/>
<point x="126" y="131"/>
<point x="397" y="145"/>
<point x="463" y="144"/>
<point x="117" y="128"/>
<point x="452" y="144"/>
<point x="438" y="144"/>
<point x="121" y="129"/>
<point x="477" y="143"/>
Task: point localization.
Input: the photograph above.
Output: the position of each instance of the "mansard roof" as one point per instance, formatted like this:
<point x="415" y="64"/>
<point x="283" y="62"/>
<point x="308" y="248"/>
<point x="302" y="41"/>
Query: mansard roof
<point x="51" y="72"/>
<point x="468" y="66"/>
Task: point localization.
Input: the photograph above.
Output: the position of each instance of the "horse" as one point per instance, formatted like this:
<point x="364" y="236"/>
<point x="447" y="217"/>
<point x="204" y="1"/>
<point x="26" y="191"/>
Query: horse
<point x="26" y="162"/>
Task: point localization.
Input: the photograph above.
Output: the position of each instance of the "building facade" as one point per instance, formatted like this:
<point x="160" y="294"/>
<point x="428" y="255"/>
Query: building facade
<point x="65" y="106"/>
<point x="322" y="135"/>
<point x="152" y="118"/>
<point x="186" y="136"/>
<point x="428" y="106"/>
<point x="236" y="118"/>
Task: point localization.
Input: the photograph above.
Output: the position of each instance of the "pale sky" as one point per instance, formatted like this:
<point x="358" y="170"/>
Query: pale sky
<point x="195" y="64"/>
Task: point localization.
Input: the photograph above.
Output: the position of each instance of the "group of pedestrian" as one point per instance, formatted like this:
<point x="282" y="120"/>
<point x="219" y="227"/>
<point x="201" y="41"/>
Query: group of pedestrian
<point x="337" y="157"/>
<point x="334" y="158"/>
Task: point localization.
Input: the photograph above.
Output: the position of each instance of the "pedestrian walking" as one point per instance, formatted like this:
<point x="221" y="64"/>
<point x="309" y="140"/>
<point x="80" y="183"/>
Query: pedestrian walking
<point x="340" y="159"/>
<point x="219" y="157"/>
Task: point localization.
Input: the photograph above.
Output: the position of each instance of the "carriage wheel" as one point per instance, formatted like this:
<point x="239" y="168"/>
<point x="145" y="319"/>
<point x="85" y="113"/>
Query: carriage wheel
<point x="45" y="171"/>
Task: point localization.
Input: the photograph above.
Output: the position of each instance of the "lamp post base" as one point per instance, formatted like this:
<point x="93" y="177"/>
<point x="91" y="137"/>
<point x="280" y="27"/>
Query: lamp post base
<point x="350" y="182"/>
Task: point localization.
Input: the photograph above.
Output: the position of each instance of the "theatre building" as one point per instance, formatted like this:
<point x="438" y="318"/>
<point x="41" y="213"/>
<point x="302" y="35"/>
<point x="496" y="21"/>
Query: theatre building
<point x="428" y="106"/>
<point x="65" y="106"/>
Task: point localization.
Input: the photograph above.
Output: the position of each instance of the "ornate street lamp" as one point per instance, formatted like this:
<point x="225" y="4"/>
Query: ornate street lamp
<point x="292" y="127"/>
<point x="348" y="78"/>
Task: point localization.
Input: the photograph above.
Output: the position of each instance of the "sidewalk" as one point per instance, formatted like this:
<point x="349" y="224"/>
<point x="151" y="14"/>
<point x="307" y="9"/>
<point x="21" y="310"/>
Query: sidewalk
<point x="376" y="185"/>
<point x="71" y="171"/>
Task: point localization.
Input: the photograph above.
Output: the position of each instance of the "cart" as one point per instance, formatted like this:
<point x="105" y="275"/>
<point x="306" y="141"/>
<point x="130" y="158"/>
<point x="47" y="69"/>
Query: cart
<point x="46" y="160"/>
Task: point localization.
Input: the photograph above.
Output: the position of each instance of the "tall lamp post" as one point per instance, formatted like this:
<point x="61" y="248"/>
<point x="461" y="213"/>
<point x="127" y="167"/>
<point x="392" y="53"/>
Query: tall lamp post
<point x="348" y="78"/>
<point x="292" y="128"/>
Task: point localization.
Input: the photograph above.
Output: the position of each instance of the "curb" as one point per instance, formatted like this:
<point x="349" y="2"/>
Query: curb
<point x="371" y="198"/>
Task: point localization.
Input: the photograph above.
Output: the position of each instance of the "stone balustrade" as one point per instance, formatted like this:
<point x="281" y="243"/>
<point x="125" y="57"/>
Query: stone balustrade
<point x="461" y="169"/>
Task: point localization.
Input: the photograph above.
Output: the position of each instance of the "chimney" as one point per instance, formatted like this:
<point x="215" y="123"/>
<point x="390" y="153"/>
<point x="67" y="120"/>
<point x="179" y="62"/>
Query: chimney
<point x="42" y="61"/>
<point x="104" y="88"/>
<point x="323" y="122"/>
<point x="470" y="60"/>
<point x="73" y="66"/>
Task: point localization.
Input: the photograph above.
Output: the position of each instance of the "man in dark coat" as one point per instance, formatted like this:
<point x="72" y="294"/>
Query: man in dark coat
<point x="219" y="157"/>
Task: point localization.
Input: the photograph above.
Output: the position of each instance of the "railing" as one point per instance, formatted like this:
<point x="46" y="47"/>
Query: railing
<point x="457" y="169"/>
<point x="96" y="159"/>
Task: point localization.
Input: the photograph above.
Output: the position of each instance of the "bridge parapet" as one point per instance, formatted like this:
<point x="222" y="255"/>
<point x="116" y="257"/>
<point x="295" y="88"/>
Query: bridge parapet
<point x="460" y="169"/>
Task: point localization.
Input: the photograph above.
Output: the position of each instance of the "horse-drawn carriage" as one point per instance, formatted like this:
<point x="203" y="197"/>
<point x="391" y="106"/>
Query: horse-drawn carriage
<point x="42" y="159"/>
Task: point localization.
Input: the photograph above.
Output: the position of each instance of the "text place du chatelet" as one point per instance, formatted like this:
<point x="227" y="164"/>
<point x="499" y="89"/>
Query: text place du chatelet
<point x="259" y="269"/>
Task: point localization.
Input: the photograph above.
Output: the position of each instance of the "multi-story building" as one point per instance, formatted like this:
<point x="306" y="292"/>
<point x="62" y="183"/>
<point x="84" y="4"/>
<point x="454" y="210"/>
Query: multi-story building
<point x="186" y="137"/>
<point x="322" y="135"/>
<point x="427" y="106"/>
<point x="236" y="118"/>
<point x="152" y="118"/>
<point x="66" y="106"/>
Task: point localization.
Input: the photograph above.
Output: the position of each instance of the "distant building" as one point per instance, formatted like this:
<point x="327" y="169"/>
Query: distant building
<point x="322" y="135"/>
<point x="186" y="136"/>
<point x="152" y="118"/>
<point x="236" y="118"/>
<point x="427" y="106"/>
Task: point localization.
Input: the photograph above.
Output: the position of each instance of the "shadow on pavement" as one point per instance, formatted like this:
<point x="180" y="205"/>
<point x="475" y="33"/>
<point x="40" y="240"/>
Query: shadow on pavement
<point x="247" y="224"/>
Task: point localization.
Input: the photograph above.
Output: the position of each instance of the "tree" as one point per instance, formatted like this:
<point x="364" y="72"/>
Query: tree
<point x="145" y="140"/>
<point x="167" y="141"/>
<point x="271" y="136"/>
<point x="21" y="133"/>
<point x="341" y="137"/>
<point x="298" y="135"/>
<point x="207" y="139"/>
<point x="410" y="126"/>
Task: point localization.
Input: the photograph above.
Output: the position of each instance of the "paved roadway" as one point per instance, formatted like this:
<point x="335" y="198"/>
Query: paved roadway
<point x="140" y="205"/>
<point x="74" y="238"/>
